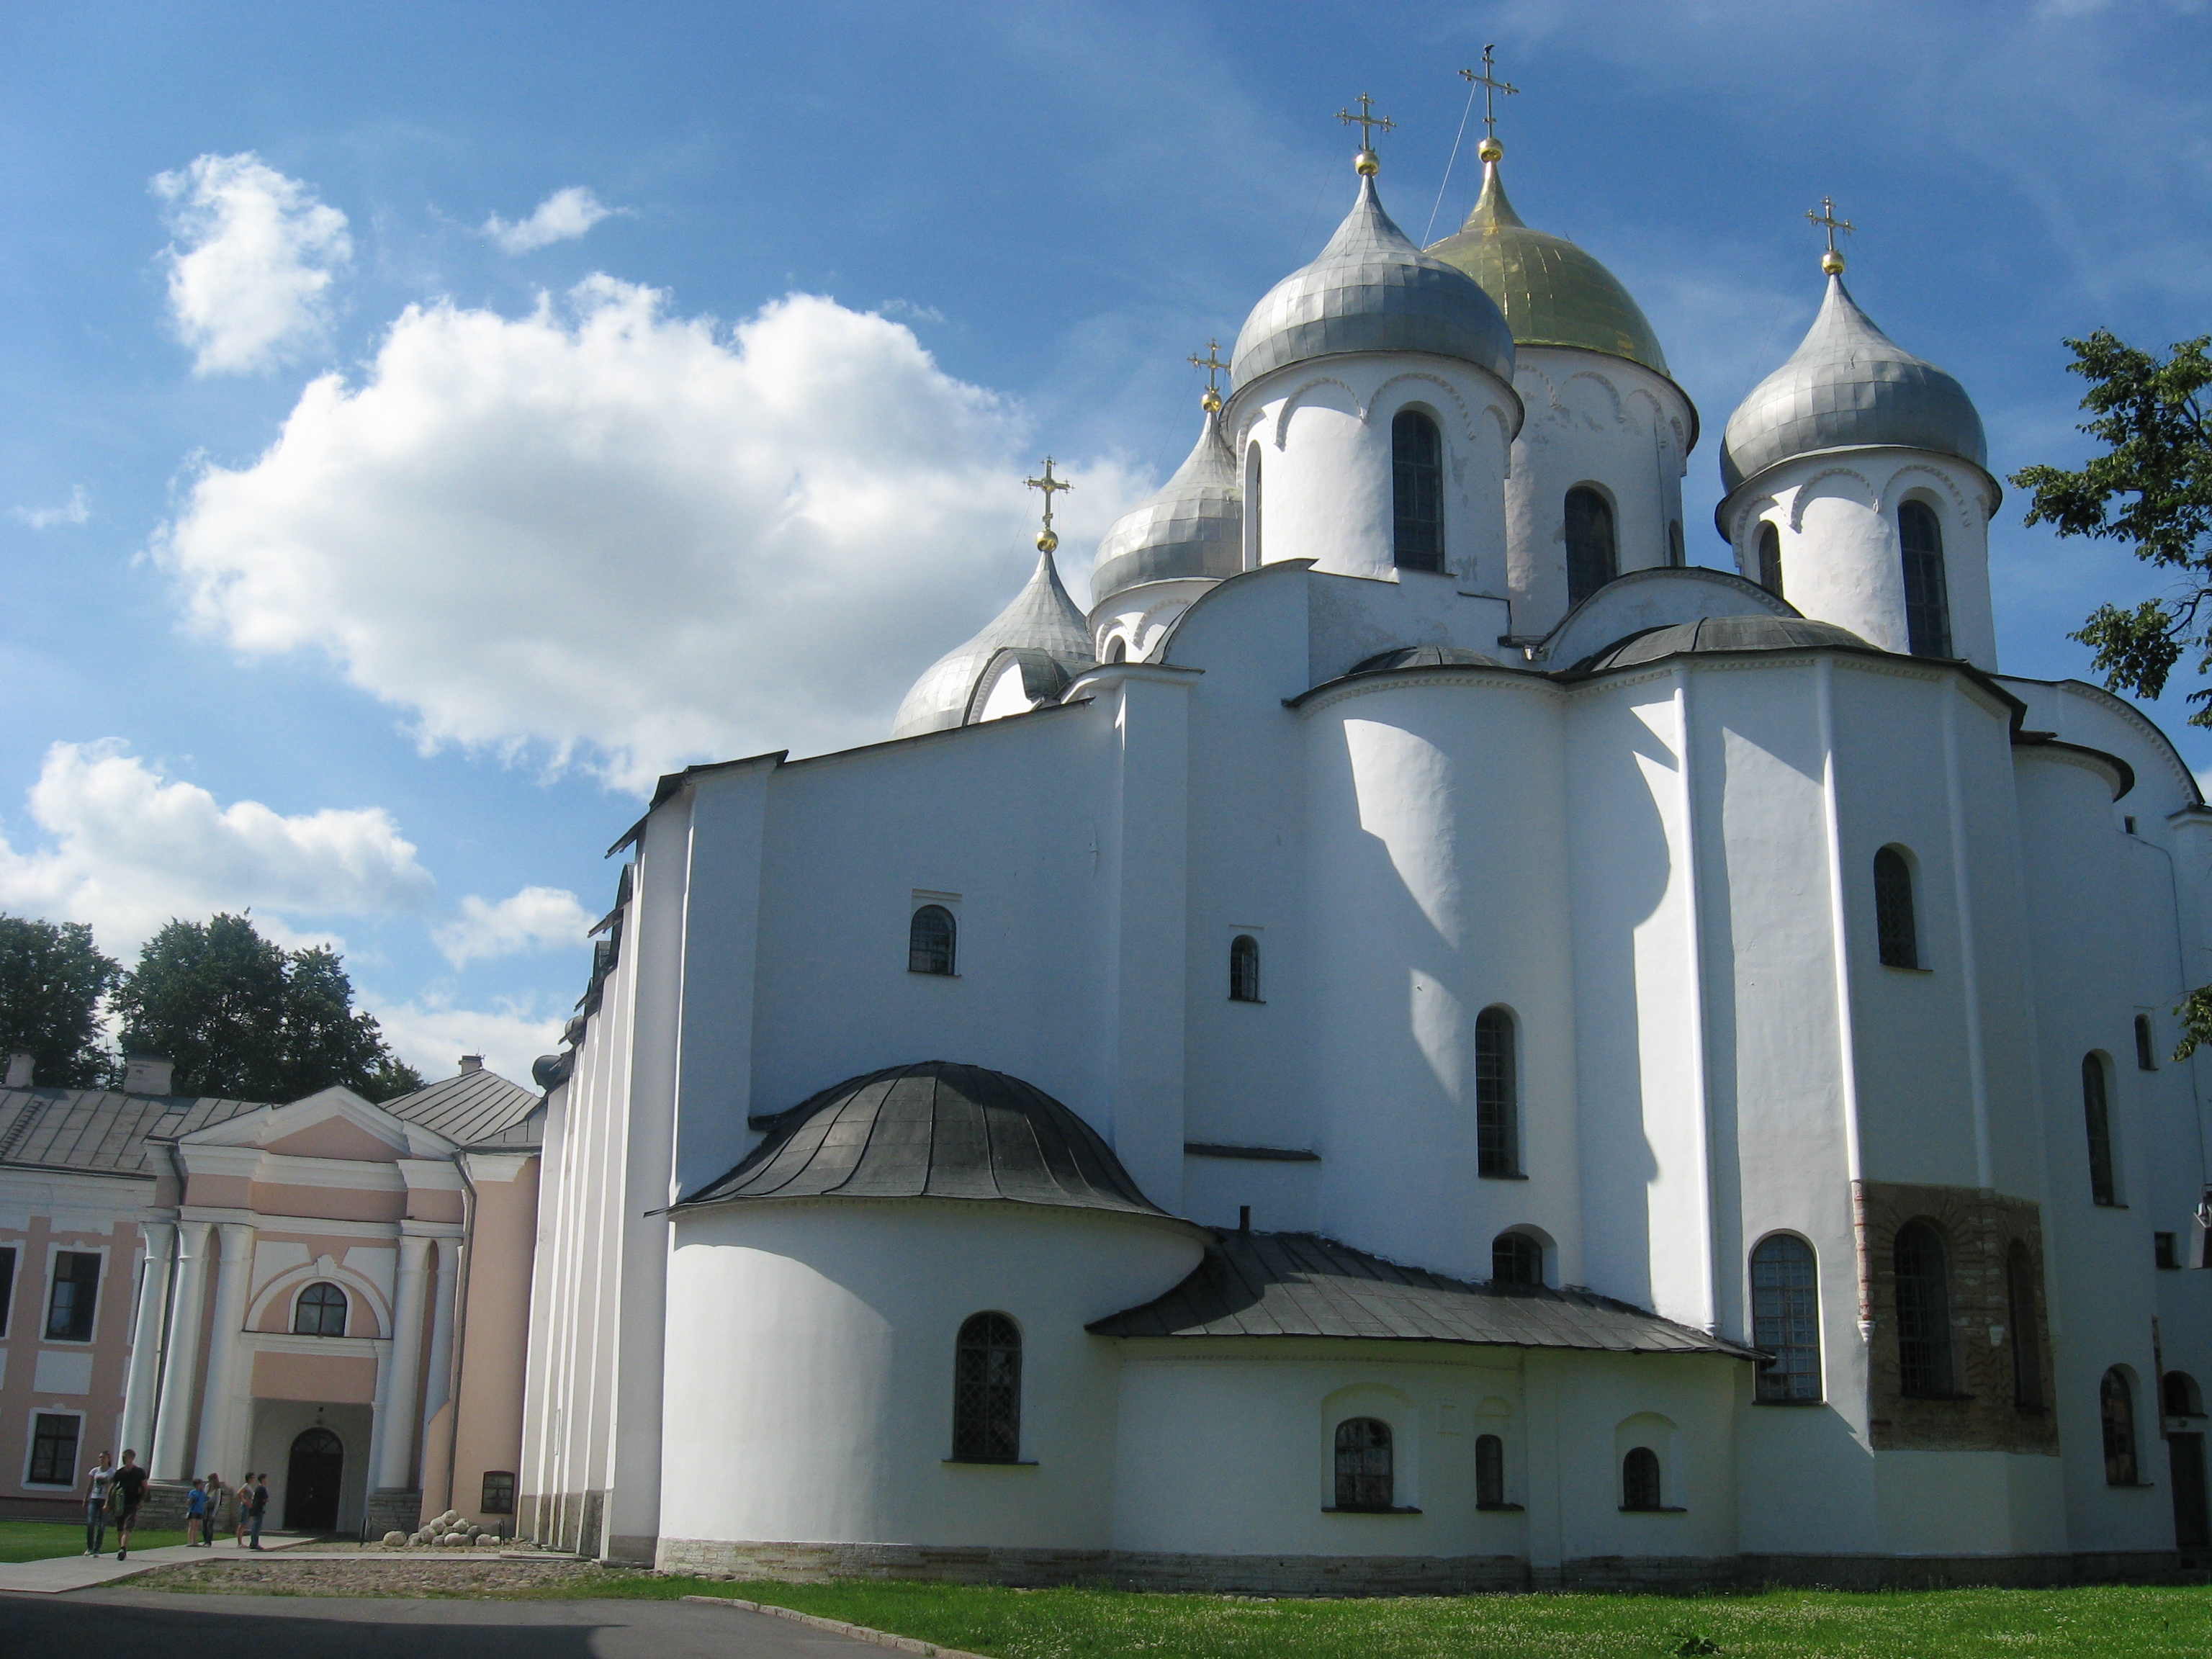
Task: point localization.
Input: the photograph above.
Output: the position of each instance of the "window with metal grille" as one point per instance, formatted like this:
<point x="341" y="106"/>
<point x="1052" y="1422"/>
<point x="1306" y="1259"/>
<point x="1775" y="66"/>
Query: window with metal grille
<point x="2097" y="1119"/>
<point x="1417" y="493"/>
<point x="320" y="1311"/>
<point x="930" y="940"/>
<point x="1245" y="969"/>
<point x="1516" y="1259"/>
<point x="53" y="1449"/>
<point x="986" y="1391"/>
<point x="2027" y="1332"/>
<point x="1896" y="929"/>
<point x="1639" y="1480"/>
<point x="7" y="1285"/>
<point x="1364" y="1475"/>
<point x="1489" y="1472"/>
<point x="2146" y="1045"/>
<point x="1927" y="600"/>
<point x="1592" y="560"/>
<point x="2117" y="1402"/>
<point x="1785" y="1313"/>
<point x="498" y="1492"/>
<point x="1770" y="559"/>
<point x="2182" y="1396"/>
<point x="75" y="1293"/>
<point x="1923" y="1312"/>
<point x="1496" y="1095"/>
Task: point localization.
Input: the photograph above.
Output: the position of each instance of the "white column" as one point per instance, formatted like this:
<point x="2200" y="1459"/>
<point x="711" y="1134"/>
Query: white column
<point x="173" y="1428"/>
<point x="437" y="1385"/>
<point x="395" y="1461"/>
<point x="218" y="1406"/>
<point x="146" y="1335"/>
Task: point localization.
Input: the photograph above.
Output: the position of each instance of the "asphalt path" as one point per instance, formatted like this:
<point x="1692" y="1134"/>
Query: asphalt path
<point x="159" y="1624"/>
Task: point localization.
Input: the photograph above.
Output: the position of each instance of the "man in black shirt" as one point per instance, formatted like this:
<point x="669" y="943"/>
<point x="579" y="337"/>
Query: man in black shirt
<point x="125" y="1492"/>
<point x="260" y="1507"/>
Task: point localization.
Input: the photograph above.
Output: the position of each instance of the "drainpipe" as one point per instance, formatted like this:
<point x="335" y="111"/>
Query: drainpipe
<point x="460" y="1321"/>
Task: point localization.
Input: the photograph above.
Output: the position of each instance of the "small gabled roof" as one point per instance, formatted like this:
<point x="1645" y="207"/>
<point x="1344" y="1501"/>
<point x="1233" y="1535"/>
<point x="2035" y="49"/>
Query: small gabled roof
<point x="469" y="1109"/>
<point x="1302" y="1284"/>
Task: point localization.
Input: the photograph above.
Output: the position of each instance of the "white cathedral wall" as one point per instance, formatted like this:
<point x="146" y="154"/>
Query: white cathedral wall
<point x="811" y="1374"/>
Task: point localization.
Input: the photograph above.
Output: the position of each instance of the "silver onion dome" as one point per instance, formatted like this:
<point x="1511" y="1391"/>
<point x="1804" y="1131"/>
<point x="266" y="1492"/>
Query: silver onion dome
<point x="1849" y="386"/>
<point x="1194" y="527"/>
<point x="1371" y="289"/>
<point x="1042" y="628"/>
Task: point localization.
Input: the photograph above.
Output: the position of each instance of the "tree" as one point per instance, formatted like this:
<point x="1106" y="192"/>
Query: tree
<point x="2152" y="489"/>
<point x="52" y="980"/>
<point x="244" y="1018"/>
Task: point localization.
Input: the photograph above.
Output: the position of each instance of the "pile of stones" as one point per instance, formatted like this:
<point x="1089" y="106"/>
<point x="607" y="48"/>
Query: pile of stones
<point x="447" y="1532"/>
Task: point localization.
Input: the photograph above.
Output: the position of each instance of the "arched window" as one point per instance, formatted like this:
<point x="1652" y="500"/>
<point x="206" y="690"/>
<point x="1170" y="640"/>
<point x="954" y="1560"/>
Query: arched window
<point x="930" y="940"/>
<point x="986" y="1391"/>
<point x="2118" y="1404"/>
<point x="2146" y="1045"/>
<point x="1245" y="969"/>
<point x="1639" y="1480"/>
<point x="1516" y="1259"/>
<point x="2097" y="1117"/>
<point x="1785" y="1314"/>
<point x="1489" y="1472"/>
<point x="1252" y="507"/>
<point x="1591" y="559"/>
<point x="320" y="1311"/>
<point x="1417" y="492"/>
<point x="1770" y="559"/>
<point x="1117" y="649"/>
<point x="1675" y="555"/>
<point x="1896" y="930"/>
<point x="2026" y="1330"/>
<point x="1927" y="600"/>
<point x="1365" y="1477"/>
<point x="2181" y="1395"/>
<point x="1497" y="1102"/>
<point x="1923" y="1313"/>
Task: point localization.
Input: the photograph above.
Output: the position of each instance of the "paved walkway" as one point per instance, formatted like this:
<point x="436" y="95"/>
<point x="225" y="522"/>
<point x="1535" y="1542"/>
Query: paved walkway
<point x="124" y="1620"/>
<point x="71" y="1572"/>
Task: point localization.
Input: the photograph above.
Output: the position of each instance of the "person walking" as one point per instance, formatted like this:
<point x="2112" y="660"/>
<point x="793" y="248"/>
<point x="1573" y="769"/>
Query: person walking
<point x="243" y="1497"/>
<point x="125" y="1492"/>
<point x="195" y="1514"/>
<point x="260" y="1506"/>
<point x="95" y="1505"/>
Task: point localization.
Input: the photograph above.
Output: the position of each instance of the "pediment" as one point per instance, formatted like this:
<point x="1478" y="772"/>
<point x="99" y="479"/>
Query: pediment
<point x="332" y="1123"/>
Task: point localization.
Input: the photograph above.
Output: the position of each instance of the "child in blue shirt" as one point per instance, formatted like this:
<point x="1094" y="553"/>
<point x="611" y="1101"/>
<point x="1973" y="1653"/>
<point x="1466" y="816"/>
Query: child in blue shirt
<point x="196" y="1505"/>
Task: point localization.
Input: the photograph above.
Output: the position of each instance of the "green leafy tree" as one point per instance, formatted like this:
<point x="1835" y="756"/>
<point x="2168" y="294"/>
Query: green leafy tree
<point x="244" y="1018"/>
<point x="52" y="980"/>
<point x="2151" y="488"/>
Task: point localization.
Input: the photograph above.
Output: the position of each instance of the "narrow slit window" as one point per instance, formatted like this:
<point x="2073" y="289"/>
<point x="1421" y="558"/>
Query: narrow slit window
<point x="2117" y="1406"/>
<point x="986" y="1391"/>
<point x="1245" y="969"/>
<point x="1366" y="1477"/>
<point x="1770" y="559"/>
<point x="1592" y="558"/>
<point x="1897" y="930"/>
<point x="2097" y="1119"/>
<point x="1252" y="554"/>
<point x="1927" y="598"/>
<point x="1921" y="1274"/>
<point x="1489" y="1472"/>
<point x="1416" y="479"/>
<point x="1516" y="1259"/>
<point x="930" y="941"/>
<point x="1497" y="1104"/>
<point x="2026" y="1333"/>
<point x="1676" y="555"/>
<point x="1786" y="1303"/>
<point x="7" y="1285"/>
<point x="2146" y="1045"/>
<point x="1639" y="1480"/>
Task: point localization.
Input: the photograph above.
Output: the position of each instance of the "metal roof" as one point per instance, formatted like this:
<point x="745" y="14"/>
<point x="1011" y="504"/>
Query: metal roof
<point x="1041" y="617"/>
<point x="935" y="1129"/>
<point x="469" y="1109"/>
<point x="101" y="1131"/>
<point x="1713" y="634"/>
<point x="1194" y="527"/>
<point x="1300" y="1284"/>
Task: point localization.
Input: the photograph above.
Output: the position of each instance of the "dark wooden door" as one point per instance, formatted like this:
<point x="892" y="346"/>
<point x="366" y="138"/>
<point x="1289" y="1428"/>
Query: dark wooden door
<point x="311" y="1482"/>
<point x="2193" y="1528"/>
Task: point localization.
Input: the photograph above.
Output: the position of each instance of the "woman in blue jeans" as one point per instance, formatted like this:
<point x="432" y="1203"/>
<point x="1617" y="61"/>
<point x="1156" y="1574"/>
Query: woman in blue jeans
<point x="95" y="1505"/>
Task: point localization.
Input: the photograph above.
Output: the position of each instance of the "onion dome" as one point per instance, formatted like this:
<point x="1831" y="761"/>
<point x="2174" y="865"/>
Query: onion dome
<point x="1722" y="633"/>
<point x="1426" y="656"/>
<point x="932" y="1130"/>
<point x="1371" y="289"/>
<point x="1849" y="386"/>
<point x="1041" y="626"/>
<point x="1552" y="292"/>
<point x="1194" y="527"/>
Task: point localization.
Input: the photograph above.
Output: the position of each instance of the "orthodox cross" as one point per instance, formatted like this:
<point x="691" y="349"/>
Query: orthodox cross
<point x="1832" y="261"/>
<point x="1046" y="540"/>
<point x="1491" y="87"/>
<point x="1212" y="365"/>
<point x="1366" y="121"/>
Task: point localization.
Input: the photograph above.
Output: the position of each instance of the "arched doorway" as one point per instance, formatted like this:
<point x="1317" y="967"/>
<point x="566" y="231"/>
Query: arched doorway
<point x="311" y="1482"/>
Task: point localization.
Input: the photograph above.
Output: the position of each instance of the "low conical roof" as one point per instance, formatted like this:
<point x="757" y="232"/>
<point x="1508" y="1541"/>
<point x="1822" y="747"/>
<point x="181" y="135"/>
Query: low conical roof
<point x="1194" y="527"/>
<point x="1041" y="620"/>
<point x="1849" y="386"/>
<point x="1553" y="293"/>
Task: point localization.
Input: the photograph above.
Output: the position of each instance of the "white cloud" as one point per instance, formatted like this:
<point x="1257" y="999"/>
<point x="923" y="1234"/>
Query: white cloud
<point x="561" y="217"/>
<point x="129" y="848"/>
<point x="76" y="510"/>
<point x="535" y="919"/>
<point x="251" y="286"/>
<point x="431" y="1035"/>
<point x="911" y="311"/>
<point x="604" y="532"/>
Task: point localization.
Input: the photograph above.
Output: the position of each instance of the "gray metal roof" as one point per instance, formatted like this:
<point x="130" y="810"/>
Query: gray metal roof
<point x="1041" y="618"/>
<point x="1194" y="527"/>
<point x="1299" y="1284"/>
<point x="1849" y="386"/>
<point x="1722" y="634"/>
<point x="469" y="1109"/>
<point x="1425" y="656"/>
<point x="933" y="1130"/>
<point x="101" y="1131"/>
<point x="1371" y="289"/>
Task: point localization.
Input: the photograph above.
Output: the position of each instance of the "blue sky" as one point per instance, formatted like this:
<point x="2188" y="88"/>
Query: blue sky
<point x="422" y="424"/>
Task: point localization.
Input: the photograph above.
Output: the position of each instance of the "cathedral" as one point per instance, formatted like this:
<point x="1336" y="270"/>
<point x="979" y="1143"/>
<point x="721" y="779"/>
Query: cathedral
<point x="1425" y="1043"/>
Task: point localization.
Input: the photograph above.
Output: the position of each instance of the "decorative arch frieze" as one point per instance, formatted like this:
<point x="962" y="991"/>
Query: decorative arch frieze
<point x="1898" y="489"/>
<point x="1802" y="493"/>
<point x="1289" y="404"/>
<point x="1612" y="396"/>
<point x="1450" y="391"/>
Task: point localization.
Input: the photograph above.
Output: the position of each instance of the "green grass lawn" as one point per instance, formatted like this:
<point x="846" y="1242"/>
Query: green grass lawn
<point x="38" y="1541"/>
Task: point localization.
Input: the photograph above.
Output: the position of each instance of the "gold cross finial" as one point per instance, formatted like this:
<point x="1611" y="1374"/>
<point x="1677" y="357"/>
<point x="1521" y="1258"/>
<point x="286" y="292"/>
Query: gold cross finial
<point x="1491" y="86"/>
<point x="1367" y="120"/>
<point x="1046" y="540"/>
<point x="1212" y="365"/>
<point x="1832" y="261"/>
